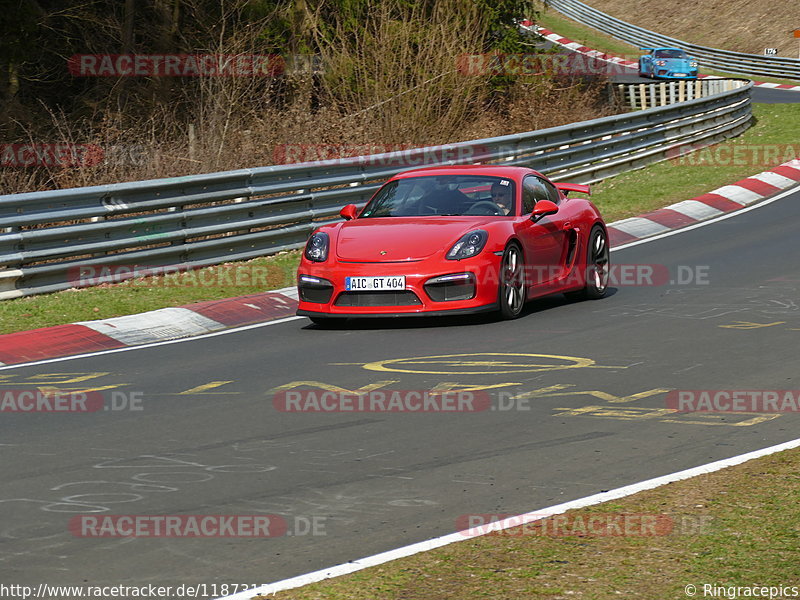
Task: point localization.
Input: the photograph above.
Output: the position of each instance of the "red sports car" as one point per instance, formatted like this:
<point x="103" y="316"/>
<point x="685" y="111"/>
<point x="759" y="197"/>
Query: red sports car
<point x="454" y="240"/>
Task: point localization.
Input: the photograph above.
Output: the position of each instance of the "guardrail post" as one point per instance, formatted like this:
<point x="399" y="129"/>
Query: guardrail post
<point x="8" y="283"/>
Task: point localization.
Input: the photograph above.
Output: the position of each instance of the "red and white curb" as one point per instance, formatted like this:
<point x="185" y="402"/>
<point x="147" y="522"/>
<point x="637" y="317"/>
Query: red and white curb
<point x="146" y="328"/>
<point x="555" y="38"/>
<point x="722" y="200"/>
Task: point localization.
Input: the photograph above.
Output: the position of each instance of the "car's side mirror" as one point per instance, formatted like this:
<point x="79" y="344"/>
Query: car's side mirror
<point x="349" y="212"/>
<point x="543" y="208"/>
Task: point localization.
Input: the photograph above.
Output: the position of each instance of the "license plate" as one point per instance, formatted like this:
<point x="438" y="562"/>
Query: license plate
<point x="680" y="74"/>
<point x="371" y="284"/>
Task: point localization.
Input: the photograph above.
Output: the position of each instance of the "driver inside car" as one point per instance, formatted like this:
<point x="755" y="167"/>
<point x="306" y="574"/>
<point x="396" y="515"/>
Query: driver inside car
<point x="501" y="195"/>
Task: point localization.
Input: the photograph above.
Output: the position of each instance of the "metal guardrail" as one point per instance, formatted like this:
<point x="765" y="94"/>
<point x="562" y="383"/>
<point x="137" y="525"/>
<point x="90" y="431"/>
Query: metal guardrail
<point x="46" y="238"/>
<point x="724" y="60"/>
<point x="640" y="96"/>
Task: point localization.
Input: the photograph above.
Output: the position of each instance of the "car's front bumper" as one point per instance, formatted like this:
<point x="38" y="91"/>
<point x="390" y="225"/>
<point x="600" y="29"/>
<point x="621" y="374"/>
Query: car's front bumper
<point x="431" y="313"/>
<point x="667" y="73"/>
<point x="328" y="297"/>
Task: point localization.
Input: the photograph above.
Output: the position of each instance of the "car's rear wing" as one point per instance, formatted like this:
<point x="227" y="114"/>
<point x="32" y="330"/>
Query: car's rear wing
<point x="566" y="188"/>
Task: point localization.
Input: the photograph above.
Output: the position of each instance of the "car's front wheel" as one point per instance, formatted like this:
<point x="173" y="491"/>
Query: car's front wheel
<point x="598" y="267"/>
<point x="511" y="290"/>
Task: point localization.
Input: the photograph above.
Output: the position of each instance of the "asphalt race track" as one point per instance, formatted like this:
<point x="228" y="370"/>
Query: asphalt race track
<point x="584" y="409"/>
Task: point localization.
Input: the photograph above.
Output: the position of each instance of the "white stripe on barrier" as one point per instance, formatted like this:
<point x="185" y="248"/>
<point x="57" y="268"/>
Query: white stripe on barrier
<point x="694" y="209"/>
<point x="154" y="326"/>
<point x="639" y="227"/>
<point x="738" y="194"/>
<point x="775" y="179"/>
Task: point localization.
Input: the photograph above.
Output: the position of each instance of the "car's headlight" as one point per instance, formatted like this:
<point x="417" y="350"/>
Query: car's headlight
<point x="694" y="63"/>
<point x="661" y="63"/>
<point x="470" y="244"/>
<point x="317" y="247"/>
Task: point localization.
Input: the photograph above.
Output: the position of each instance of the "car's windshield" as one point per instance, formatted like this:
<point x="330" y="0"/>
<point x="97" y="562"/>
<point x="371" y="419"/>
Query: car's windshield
<point x="670" y="54"/>
<point x="443" y="195"/>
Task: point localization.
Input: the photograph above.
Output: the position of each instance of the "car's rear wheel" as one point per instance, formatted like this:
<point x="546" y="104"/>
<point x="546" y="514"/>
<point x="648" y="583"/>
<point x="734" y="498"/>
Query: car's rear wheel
<point x="598" y="267"/>
<point x="511" y="290"/>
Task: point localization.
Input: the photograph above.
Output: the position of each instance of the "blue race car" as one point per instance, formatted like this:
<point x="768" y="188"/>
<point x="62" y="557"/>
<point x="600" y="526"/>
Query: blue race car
<point x="667" y="63"/>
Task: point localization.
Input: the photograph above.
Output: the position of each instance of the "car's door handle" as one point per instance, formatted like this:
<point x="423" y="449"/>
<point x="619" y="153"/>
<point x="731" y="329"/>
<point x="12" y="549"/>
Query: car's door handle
<point x="567" y="225"/>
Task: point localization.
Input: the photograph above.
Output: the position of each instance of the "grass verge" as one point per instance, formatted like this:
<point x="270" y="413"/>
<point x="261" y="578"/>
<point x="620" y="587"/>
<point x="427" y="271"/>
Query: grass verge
<point x="623" y="196"/>
<point x="735" y="527"/>
<point x="592" y="38"/>
<point x="149" y="293"/>
<point x="770" y="141"/>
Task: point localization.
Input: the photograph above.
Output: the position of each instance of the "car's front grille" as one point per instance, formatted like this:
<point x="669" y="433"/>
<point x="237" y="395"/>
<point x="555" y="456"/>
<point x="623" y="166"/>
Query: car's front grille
<point x="403" y="298"/>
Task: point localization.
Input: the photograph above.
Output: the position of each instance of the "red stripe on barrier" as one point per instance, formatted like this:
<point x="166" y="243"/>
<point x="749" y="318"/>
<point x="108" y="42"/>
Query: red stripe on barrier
<point x="758" y="186"/>
<point x="670" y="218"/>
<point x="246" y="310"/>
<point x="617" y="237"/>
<point x="52" y="342"/>
<point x="787" y="171"/>
<point x="719" y="202"/>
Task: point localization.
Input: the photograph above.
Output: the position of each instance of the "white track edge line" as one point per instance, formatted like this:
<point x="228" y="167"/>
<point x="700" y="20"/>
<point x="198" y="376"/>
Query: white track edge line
<point x="622" y="492"/>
